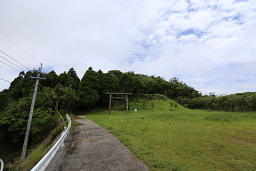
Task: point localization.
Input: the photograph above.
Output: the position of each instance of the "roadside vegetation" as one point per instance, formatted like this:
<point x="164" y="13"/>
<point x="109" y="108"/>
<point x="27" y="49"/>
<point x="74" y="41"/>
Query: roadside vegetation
<point x="36" y="152"/>
<point x="168" y="136"/>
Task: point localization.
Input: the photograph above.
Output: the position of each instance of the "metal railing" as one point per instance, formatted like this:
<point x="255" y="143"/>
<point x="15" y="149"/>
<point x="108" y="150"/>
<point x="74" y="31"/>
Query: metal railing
<point x="1" y="165"/>
<point x="45" y="161"/>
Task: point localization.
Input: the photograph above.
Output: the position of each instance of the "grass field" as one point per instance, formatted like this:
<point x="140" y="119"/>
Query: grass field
<point x="183" y="139"/>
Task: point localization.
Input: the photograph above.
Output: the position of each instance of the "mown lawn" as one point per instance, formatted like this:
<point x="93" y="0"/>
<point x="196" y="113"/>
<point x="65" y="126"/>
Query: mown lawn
<point x="185" y="139"/>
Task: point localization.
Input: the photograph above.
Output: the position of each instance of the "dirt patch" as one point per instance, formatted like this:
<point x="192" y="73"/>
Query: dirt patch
<point x="244" y="141"/>
<point x="79" y="117"/>
<point x="244" y="137"/>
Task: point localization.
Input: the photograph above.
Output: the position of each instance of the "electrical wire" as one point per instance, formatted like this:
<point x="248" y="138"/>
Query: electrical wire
<point x="11" y="62"/>
<point x="18" y="47"/>
<point x="10" y="66"/>
<point x="5" y="80"/>
<point x="14" y="59"/>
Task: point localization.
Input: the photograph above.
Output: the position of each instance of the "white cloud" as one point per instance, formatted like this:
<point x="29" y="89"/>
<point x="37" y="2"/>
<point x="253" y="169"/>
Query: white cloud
<point x="190" y="39"/>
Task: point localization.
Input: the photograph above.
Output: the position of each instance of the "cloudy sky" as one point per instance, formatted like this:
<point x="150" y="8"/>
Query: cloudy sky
<point x="208" y="44"/>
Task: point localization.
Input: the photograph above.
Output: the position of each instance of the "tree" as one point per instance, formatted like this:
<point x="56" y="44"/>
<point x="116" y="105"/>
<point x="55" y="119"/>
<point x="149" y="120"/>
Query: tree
<point x="51" y="79"/>
<point x="108" y="83"/>
<point x="66" y="98"/>
<point x="73" y="79"/>
<point x="89" y="89"/>
<point x="3" y="99"/>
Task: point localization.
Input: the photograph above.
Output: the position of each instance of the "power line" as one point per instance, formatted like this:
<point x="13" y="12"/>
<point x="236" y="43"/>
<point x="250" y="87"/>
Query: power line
<point x="5" y="80"/>
<point x="17" y="46"/>
<point x="10" y="66"/>
<point x="14" y="59"/>
<point x="11" y="62"/>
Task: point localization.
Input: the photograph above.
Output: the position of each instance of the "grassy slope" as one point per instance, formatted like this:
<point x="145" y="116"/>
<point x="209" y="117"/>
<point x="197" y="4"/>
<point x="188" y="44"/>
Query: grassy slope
<point x="184" y="139"/>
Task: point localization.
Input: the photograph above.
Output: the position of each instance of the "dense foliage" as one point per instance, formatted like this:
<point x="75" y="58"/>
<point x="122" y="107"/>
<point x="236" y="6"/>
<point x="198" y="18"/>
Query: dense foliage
<point x="243" y="102"/>
<point x="70" y="94"/>
<point x="66" y="92"/>
<point x="14" y="109"/>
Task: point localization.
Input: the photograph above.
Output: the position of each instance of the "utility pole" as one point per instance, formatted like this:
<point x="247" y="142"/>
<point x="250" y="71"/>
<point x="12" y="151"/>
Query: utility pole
<point x="24" y="148"/>
<point x="110" y="99"/>
<point x="126" y="98"/>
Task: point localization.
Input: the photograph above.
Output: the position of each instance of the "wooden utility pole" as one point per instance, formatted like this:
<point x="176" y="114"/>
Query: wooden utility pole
<point x="126" y="103"/>
<point x="24" y="148"/>
<point x="109" y="108"/>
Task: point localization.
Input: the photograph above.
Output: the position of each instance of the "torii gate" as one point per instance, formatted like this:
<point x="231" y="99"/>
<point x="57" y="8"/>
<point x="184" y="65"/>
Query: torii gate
<point x="118" y="97"/>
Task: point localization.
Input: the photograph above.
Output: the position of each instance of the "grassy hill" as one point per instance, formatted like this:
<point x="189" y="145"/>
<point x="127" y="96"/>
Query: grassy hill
<point x="149" y="102"/>
<point x="168" y="136"/>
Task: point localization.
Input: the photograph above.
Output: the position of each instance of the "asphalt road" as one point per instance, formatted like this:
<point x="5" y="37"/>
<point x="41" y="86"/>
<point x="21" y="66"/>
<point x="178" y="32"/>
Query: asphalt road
<point x="92" y="148"/>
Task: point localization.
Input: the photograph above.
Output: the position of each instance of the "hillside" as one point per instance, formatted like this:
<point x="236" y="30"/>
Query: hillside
<point x="149" y="102"/>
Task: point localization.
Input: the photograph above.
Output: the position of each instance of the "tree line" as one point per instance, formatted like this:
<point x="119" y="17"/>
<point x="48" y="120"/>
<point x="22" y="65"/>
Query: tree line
<point x="240" y="102"/>
<point x="67" y="93"/>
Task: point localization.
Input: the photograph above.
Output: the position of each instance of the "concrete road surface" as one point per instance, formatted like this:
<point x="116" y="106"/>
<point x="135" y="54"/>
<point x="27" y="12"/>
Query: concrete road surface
<point x="90" y="147"/>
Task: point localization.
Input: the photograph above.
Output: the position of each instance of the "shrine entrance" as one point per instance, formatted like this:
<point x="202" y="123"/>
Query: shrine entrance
<point x="118" y="96"/>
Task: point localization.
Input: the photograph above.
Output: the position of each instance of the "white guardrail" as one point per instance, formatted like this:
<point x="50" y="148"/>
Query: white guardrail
<point x="45" y="161"/>
<point x="1" y="165"/>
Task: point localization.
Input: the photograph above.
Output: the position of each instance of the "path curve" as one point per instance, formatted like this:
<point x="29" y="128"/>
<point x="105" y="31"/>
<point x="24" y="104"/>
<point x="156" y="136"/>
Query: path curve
<point x="90" y="147"/>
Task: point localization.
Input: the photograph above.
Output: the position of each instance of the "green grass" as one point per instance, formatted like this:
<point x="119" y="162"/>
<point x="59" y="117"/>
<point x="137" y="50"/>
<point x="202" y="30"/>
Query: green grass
<point x="171" y="137"/>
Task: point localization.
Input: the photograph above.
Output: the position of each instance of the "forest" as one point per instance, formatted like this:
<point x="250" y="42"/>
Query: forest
<point x="67" y="93"/>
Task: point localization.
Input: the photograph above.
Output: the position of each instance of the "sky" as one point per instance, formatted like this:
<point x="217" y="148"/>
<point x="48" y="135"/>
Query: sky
<point x="209" y="45"/>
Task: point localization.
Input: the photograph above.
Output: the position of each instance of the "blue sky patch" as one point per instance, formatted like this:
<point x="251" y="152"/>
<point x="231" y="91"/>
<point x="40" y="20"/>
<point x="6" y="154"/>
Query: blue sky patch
<point x="190" y="31"/>
<point x="241" y="1"/>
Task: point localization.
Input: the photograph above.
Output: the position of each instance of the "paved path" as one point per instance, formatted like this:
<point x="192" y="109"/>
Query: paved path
<point x="90" y="147"/>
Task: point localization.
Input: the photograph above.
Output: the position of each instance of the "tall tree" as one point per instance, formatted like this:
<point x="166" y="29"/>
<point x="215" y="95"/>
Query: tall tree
<point x="51" y="79"/>
<point x="73" y="79"/>
<point x="89" y="89"/>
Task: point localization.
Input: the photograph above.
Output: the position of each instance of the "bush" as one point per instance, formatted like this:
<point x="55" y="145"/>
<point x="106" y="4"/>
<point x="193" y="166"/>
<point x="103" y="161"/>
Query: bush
<point x="14" y="124"/>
